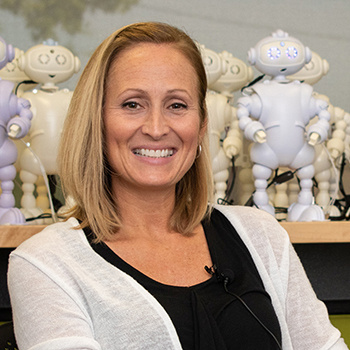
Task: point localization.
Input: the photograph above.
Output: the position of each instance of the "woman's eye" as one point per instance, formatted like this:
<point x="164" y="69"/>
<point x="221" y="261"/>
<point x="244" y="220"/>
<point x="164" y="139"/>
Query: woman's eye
<point x="130" y="105"/>
<point x="178" y="105"/>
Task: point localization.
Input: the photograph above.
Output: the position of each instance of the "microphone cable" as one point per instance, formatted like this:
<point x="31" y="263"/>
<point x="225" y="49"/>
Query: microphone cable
<point x="225" y="278"/>
<point x="46" y="181"/>
<point x="24" y="82"/>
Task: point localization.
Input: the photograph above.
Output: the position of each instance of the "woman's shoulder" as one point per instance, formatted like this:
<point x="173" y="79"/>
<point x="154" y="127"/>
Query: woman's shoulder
<point x="262" y="234"/>
<point x="53" y="237"/>
<point x="254" y="223"/>
<point x="246" y="214"/>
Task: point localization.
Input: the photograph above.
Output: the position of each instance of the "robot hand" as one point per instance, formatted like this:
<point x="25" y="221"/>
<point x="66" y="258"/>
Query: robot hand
<point x="255" y="132"/>
<point x="335" y="154"/>
<point x="314" y="139"/>
<point x="18" y="127"/>
<point x="232" y="144"/>
<point x="230" y="148"/>
<point x="260" y="136"/>
<point x="318" y="132"/>
<point x="14" y="131"/>
<point x="335" y="147"/>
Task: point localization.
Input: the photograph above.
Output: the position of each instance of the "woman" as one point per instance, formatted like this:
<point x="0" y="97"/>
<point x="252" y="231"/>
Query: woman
<point x="142" y="262"/>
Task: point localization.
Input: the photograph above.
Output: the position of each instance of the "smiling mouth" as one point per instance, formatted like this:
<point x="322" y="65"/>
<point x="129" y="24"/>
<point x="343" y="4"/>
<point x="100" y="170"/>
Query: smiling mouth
<point x="151" y="153"/>
<point x="51" y="76"/>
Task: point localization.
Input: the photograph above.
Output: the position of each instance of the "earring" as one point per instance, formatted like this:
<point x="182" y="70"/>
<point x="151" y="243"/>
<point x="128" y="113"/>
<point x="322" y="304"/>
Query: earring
<point x="199" y="151"/>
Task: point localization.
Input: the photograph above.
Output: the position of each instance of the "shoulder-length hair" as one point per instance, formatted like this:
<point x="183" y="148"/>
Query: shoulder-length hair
<point x="82" y="161"/>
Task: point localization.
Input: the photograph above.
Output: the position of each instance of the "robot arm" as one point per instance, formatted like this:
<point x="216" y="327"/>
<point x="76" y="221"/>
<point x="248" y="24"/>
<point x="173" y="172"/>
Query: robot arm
<point x="253" y="130"/>
<point x="318" y="132"/>
<point x="336" y="144"/>
<point x="18" y="127"/>
<point x="233" y="142"/>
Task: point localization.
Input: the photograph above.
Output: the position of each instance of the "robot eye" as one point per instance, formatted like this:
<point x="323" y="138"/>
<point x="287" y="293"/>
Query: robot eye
<point x="310" y="66"/>
<point x="10" y="67"/>
<point x="61" y="59"/>
<point x="208" y="61"/>
<point x="274" y="53"/>
<point x="44" y="59"/>
<point x="291" y="52"/>
<point x="235" y="70"/>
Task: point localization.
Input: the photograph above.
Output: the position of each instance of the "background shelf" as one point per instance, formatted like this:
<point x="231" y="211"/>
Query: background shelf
<point x="299" y="232"/>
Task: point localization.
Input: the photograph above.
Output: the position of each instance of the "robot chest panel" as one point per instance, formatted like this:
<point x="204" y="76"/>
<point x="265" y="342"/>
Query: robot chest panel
<point x="49" y="108"/>
<point x="283" y="105"/>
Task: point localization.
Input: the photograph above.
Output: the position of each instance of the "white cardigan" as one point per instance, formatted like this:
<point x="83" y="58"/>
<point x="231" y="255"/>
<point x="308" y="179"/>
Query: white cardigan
<point x="66" y="296"/>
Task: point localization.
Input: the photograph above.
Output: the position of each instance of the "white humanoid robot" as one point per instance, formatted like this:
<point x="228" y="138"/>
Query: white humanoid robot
<point x="15" y="119"/>
<point x="275" y="115"/>
<point x="328" y="155"/>
<point x="220" y="118"/>
<point x="218" y="113"/>
<point x="48" y="64"/>
<point x="238" y="74"/>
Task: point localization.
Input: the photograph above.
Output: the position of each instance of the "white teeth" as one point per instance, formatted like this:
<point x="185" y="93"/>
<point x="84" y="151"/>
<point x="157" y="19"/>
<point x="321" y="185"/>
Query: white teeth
<point x="154" y="153"/>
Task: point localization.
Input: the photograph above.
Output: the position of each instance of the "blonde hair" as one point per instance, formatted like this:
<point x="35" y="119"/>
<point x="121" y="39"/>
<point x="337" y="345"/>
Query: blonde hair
<point x="83" y="166"/>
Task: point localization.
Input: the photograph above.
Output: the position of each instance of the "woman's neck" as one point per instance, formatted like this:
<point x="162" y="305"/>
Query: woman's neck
<point x="145" y="211"/>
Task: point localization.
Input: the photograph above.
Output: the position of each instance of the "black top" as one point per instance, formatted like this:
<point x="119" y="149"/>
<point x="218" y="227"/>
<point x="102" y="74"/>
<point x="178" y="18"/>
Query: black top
<point x="206" y="316"/>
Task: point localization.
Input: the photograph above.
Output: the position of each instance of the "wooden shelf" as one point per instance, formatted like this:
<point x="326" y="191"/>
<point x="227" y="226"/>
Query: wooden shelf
<point x="318" y="231"/>
<point x="13" y="235"/>
<point x="299" y="232"/>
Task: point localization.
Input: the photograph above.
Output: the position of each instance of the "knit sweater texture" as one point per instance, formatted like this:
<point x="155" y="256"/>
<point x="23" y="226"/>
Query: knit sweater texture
<point x="66" y="296"/>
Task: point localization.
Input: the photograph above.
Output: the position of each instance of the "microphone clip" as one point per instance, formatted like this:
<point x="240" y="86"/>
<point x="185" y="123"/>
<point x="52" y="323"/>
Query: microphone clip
<point x="212" y="270"/>
<point x="221" y="277"/>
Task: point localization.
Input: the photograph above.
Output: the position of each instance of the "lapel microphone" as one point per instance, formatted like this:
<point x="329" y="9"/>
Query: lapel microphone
<point x="227" y="276"/>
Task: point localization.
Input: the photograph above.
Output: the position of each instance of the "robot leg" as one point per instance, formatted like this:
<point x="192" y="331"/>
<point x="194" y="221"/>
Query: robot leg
<point x="261" y="174"/>
<point x="8" y="213"/>
<point x="304" y="209"/>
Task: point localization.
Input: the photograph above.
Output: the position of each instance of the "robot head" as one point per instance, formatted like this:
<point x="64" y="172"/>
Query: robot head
<point x="49" y="63"/>
<point x="7" y="53"/>
<point x="215" y="65"/>
<point x="279" y="55"/>
<point x="238" y="75"/>
<point x="313" y="71"/>
<point x="11" y="71"/>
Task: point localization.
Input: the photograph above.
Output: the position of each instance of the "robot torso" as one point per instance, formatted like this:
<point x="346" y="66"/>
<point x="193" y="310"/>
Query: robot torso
<point x="285" y="113"/>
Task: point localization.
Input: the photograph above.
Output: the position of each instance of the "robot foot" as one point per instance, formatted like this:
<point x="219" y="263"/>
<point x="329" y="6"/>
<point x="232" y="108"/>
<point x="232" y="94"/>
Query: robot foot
<point x="267" y="207"/>
<point x="11" y="216"/>
<point x="303" y="212"/>
<point x="332" y="211"/>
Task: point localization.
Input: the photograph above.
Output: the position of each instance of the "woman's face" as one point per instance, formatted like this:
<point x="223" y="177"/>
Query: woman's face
<point x="151" y="117"/>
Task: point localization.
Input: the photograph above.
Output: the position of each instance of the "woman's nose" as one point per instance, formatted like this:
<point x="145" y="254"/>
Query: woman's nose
<point x="156" y="124"/>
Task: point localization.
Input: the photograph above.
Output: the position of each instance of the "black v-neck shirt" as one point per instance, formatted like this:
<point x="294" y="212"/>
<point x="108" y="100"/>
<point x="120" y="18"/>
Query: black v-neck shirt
<point x="207" y="317"/>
